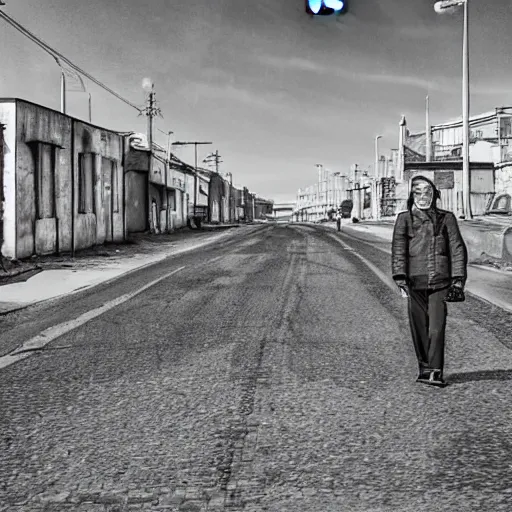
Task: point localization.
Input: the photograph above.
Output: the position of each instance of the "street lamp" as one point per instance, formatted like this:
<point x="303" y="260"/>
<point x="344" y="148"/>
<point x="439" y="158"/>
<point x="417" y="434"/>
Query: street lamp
<point x="450" y="6"/>
<point x="375" y="191"/>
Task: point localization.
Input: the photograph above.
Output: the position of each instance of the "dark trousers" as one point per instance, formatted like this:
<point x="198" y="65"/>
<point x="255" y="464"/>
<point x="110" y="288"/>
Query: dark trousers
<point x="338" y="224"/>
<point x="427" y="318"/>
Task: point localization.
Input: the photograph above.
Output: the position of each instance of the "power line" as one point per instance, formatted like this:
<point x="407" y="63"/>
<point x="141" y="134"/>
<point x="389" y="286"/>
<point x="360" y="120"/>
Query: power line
<point x="58" y="56"/>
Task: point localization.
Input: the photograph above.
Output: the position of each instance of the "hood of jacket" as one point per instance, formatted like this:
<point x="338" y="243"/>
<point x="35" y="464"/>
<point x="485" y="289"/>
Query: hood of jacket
<point x="436" y="196"/>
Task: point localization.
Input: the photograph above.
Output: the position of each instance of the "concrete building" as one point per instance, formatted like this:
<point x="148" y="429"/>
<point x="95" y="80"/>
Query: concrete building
<point x="248" y="204"/>
<point x="218" y="199"/>
<point x="238" y="200"/>
<point x="62" y="181"/>
<point x="263" y="208"/>
<point x="319" y="200"/>
<point x="170" y="195"/>
<point x="200" y="205"/>
<point x="490" y="160"/>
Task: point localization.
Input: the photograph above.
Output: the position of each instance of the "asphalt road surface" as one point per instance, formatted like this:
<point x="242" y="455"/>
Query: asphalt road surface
<point x="270" y="372"/>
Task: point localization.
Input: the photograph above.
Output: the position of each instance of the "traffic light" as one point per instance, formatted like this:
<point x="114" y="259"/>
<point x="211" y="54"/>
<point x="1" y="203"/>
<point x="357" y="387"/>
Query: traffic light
<point x="326" y="7"/>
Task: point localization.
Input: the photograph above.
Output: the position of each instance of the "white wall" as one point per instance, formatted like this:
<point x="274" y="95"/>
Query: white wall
<point x="8" y="118"/>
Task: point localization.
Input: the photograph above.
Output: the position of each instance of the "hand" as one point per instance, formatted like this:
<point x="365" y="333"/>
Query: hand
<point x="404" y="290"/>
<point x="402" y="285"/>
<point x="458" y="283"/>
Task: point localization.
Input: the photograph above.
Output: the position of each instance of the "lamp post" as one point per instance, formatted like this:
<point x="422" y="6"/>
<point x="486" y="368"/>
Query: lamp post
<point x="450" y="6"/>
<point x="375" y="181"/>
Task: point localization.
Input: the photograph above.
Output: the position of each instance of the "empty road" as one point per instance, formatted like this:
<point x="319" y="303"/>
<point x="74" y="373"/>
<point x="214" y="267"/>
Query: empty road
<point x="267" y="372"/>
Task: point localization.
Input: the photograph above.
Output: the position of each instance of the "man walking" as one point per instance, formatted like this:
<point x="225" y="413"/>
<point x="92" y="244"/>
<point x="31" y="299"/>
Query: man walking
<point x="429" y="257"/>
<point x="338" y="219"/>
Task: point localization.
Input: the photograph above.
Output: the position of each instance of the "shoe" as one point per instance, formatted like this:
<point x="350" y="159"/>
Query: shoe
<point x="424" y="374"/>
<point x="436" y="378"/>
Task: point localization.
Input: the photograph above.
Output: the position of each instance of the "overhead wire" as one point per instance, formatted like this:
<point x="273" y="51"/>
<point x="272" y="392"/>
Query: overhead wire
<point x="58" y="56"/>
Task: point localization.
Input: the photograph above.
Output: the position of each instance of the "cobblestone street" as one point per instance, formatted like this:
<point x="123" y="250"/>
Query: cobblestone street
<point x="270" y="372"/>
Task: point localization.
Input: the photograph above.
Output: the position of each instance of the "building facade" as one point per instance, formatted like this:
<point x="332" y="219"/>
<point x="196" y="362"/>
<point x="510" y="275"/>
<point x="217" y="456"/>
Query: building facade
<point x="489" y="152"/>
<point x="63" y="182"/>
<point x="169" y="189"/>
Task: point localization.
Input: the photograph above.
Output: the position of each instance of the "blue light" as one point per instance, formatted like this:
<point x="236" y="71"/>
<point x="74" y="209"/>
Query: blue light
<point x="315" y="5"/>
<point x="337" y="5"/>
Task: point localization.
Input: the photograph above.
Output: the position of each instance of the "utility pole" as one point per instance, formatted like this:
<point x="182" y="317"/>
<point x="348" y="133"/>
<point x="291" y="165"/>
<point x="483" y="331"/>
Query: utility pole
<point x="150" y="111"/>
<point x="376" y="177"/>
<point x="215" y="158"/>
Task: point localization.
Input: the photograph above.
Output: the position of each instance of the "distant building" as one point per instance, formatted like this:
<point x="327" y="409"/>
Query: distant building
<point x="284" y="211"/>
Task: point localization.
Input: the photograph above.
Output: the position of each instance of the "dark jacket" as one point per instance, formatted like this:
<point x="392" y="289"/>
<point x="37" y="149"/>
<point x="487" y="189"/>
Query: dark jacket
<point x="427" y="249"/>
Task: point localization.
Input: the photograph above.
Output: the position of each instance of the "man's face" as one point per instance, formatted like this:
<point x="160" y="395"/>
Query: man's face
<point x="423" y="194"/>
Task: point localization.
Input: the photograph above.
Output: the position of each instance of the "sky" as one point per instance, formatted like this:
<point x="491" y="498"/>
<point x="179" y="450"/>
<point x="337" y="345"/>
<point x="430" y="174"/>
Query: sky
<point x="275" y="90"/>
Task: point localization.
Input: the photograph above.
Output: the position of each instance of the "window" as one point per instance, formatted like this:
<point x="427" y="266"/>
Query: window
<point x="506" y="127"/>
<point x="501" y="204"/>
<point x="110" y="182"/>
<point x="86" y="179"/>
<point x="45" y="180"/>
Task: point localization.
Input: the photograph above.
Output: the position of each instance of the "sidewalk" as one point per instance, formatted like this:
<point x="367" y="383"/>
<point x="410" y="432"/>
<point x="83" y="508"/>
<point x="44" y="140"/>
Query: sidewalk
<point x="485" y="281"/>
<point x="62" y="275"/>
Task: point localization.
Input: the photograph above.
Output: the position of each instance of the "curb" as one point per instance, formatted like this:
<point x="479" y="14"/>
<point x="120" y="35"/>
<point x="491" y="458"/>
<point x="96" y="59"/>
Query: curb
<point x="112" y="279"/>
<point x="484" y="298"/>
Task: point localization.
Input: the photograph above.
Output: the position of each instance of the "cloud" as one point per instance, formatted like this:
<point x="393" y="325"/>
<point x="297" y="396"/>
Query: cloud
<point x="295" y="63"/>
<point x="412" y="81"/>
<point x="235" y="94"/>
<point x="335" y="71"/>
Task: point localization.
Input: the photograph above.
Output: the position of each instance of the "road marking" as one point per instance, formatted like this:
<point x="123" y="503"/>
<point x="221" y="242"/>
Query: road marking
<point x="381" y="275"/>
<point x="56" y="331"/>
